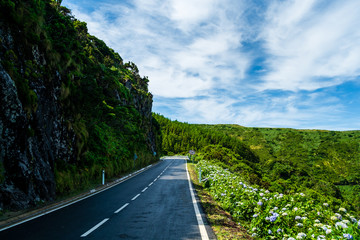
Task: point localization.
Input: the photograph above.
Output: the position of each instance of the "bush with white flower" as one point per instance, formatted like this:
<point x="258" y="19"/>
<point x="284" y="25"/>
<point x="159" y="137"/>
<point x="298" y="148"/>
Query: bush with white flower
<point x="275" y="215"/>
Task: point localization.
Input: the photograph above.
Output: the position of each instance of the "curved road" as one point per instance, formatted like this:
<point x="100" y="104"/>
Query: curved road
<point x="156" y="204"/>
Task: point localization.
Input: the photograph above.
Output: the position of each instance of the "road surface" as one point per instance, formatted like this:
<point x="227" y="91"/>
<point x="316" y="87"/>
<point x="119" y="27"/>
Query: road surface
<point x="156" y="204"/>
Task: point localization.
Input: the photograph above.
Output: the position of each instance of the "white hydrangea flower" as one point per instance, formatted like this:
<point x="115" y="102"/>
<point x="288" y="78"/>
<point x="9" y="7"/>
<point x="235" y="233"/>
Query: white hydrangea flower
<point x="342" y="210"/>
<point x="301" y="236"/>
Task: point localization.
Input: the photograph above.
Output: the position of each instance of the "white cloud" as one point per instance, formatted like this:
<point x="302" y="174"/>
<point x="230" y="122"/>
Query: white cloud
<point x="190" y="13"/>
<point x="208" y="110"/>
<point x="308" y="44"/>
<point x="184" y="55"/>
<point x="199" y="54"/>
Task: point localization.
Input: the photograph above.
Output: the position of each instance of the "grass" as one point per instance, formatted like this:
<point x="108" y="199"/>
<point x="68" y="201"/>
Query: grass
<point x="221" y="222"/>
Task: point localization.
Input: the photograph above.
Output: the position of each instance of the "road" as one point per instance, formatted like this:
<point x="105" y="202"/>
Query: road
<point x="156" y="204"/>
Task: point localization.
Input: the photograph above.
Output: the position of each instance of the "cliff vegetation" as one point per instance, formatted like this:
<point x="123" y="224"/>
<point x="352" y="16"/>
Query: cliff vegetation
<point x="70" y="106"/>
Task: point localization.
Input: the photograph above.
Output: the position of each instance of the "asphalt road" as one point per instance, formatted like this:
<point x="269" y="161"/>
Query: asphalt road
<point x="155" y="204"/>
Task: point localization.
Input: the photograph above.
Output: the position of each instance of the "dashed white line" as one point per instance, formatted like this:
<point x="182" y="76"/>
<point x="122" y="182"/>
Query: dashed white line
<point x="124" y="206"/>
<point x="151" y="184"/>
<point x="95" y="227"/>
<point x="135" y="197"/>
<point x="118" y="181"/>
<point x="144" y="189"/>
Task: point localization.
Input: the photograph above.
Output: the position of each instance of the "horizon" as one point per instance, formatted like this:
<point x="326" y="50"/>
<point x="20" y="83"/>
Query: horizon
<point x="231" y="124"/>
<point x="270" y="64"/>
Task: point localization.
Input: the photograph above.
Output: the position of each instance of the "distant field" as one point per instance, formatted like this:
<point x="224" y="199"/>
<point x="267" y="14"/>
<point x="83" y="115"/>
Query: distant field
<point x="325" y="161"/>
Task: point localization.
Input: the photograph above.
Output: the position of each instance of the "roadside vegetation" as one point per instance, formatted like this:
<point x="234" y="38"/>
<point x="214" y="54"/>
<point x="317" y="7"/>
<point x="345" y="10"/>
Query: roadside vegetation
<point x="221" y="221"/>
<point x="273" y="215"/>
<point x="323" y="166"/>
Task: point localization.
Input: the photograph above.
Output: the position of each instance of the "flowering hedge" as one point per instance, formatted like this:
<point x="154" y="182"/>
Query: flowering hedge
<point x="277" y="216"/>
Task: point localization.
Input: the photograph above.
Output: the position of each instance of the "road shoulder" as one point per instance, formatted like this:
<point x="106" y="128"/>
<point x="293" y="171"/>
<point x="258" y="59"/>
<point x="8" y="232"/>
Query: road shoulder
<point x="220" y="221"/>
<point x="16" y="218"/>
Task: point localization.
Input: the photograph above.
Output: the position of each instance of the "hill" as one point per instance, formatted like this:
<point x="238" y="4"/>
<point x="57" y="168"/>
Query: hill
<point x="70" y="106"/>
<point x="323" y="164"/>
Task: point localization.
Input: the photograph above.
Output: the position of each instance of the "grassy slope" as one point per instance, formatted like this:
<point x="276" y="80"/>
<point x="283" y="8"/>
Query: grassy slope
<point x="326" y="161"/>
<point x="322" y="164"/>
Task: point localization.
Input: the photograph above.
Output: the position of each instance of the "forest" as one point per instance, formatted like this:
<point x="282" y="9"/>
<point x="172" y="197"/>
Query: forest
<point x="322" y="164"/>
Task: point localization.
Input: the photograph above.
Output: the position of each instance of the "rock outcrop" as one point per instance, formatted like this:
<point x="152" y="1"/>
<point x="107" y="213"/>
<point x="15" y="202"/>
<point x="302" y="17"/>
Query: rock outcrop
<point x="59" y="86"/>
<point x="30" y="143"/>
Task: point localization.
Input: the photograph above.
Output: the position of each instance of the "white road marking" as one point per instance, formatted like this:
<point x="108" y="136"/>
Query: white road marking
<point x="95" y="227"/>
<point x="151" y="184"/>
<point x="124" y="206"/>
<point x="203" y="232"/>
<point x="118" y="181"/>
<point x="144" y="189"/>
<point x="135" y="197"/>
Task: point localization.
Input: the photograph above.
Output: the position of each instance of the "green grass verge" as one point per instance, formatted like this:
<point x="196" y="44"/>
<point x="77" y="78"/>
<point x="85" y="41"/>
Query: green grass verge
<point x="221" y="222"/>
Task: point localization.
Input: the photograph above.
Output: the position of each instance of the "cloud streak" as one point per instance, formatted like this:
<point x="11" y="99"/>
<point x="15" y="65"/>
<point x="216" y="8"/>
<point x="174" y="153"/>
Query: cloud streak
<point x="311" y="45"/>
<point x="249" y="62"/>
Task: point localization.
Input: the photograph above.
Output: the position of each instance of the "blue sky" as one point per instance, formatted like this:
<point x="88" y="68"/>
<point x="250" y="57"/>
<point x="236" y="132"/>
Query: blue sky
<point x="270" y="63"/>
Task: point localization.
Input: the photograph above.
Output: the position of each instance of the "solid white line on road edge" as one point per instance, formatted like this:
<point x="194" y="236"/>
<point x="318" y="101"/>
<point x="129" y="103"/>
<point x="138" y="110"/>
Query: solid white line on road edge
<point x="135" y="197"/>
<point x="203" y="232"/>
<point x="124" y="206"/>
<point x="144" y="189"/>
<point x="118" y="181"/>
<point x="95" y="227"/>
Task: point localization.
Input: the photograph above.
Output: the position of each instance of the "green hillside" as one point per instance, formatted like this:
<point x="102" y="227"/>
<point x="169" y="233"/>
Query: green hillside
<point x="70" y="106"/>
<point x="323" y="164"/>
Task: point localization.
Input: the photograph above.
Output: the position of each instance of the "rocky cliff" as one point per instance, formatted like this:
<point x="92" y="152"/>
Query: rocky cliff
<point x="69" y="106"/>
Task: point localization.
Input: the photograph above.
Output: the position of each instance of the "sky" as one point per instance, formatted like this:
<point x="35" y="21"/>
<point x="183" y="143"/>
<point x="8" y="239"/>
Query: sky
<point x="269" y="63"/>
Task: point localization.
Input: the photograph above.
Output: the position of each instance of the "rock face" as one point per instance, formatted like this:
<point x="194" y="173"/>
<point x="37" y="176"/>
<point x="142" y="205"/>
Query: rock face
<point x="58" y="86"/>
<point x="28" y="161"/>
<point x="30" y="144"/>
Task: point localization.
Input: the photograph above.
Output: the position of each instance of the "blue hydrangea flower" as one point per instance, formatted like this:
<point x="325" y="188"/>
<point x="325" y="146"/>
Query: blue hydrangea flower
<point x="273" y="218"/>
<point x="347" y="236"/>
